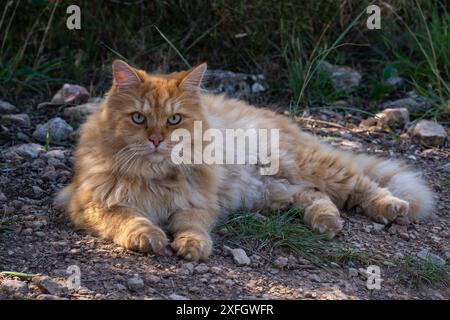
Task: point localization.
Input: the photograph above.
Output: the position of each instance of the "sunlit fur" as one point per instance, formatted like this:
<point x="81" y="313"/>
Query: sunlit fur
<point x="126" y="191"/>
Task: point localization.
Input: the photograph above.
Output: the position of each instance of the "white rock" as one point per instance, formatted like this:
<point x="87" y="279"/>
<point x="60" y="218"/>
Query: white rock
<point x="240" y="257"/>
<point x="79" y="113"/>
<point x="135" y="283"/>
<point x="13" y="287"/>
<point x="17" y="120"/>
<point x="425" y="254"/>
<point x="396" y="118"/>
<point x="7" y="108"/>
<point x="175" y="296"/>
<point x="27" y="150"/>
<point x="58" y="129"/>
<point x="187" y="268"/>
<point x="71" y="93"/>
<point x="342" y="78"/>
<point x="429" y="133"/>
<point x="281" y="262"/>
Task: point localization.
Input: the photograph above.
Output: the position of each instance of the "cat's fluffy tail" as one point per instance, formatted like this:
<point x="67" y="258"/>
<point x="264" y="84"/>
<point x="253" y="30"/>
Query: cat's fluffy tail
<point x="401" y="181"/>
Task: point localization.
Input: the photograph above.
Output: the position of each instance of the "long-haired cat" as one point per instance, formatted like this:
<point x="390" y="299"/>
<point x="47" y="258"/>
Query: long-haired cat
<point x="127" y="188"/>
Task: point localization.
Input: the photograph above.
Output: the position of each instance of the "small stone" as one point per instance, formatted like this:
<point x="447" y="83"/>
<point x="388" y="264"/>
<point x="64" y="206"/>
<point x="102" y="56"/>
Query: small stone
<point x="342" y="78"/>
<point x="240" y="257"/>
<point x="120" y="287"/>
<point x="17" y="120"/>
<point x="352" y="272"/>
<point x="429" y="133"/>
<point x="175" y="296"/>
<point x="7" y="108"/>
<point x="71" y="93"/>
<point x="187" y="268"/>
<point x="425" y="254"/>
<point x="315" y="278"/>
<point x="56" y="128"/>
<point x="27" y="150"/>
<point x="378" y="227"/>
<point x="236" y="85"/>
<point x="13" y="287"/>
<point x="37" y="191"/>
<point x="404" y="235"/>
<point x="395" y="81"/>
<point x="47" y="285"/>
<point x="135" y="283"/>
<point x="152" y="278"/>
<point x="56" y="154"/>
<point x="201" y="268"/>
<point x="3" y="197"/>
<point x="396" y="118"/>
<point x="79" y="113"/>
<point x="281" y="262"/>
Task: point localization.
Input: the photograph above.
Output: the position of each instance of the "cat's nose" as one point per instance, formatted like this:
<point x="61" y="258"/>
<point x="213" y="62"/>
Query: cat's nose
<point x="156" y="139"/>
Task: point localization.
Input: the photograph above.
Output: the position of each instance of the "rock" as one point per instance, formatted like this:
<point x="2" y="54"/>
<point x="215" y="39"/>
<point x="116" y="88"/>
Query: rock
<point x="342" y="78"/>
<point x="201" y="268"/>
<point x="378" y="227"/>
<point x="152" y="278"/>
<point x="120" y="287"/>
<point x="281" y="262"/>
<point x="57" y="154"/>
<point x="79" y="113"/>
<point x="315" y="278"/>
<point x="12" y="287"/>
<point x="58" y="129"/>
<point x="3" y="197"/>
<point x="396" y="118"/>
<point x="240" y="257"/>
<point x="352" y="272"/>
<point x="47" y="285"/>
<point x="236" y="85"/>
<point x="15" y="120"/>
<point x="187" y="268"/>
<point x="7" y="108"/>
<point x="429" y="133"/>
<point x="175" y="296"/>
<point x="71" y="93"/>
<point x="27" y="150"/>
<point x="395" y="81"/>
<point x="135" y="283"/>
<point x="413" y="102"/>
<point x="425" y="254"/>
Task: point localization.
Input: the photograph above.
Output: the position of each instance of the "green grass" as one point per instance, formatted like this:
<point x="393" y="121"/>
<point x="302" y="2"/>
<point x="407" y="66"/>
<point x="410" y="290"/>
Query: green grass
<point x="285" y="229"/>
<point x="416" y="272"/>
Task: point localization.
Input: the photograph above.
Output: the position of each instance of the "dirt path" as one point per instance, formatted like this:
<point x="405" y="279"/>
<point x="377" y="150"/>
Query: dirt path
<point x="42" y="241"/>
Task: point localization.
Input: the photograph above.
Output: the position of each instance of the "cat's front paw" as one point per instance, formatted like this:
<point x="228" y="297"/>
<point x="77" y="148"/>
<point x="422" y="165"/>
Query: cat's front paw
<point x="192" y="245"/>
<point x="145" y="237"/>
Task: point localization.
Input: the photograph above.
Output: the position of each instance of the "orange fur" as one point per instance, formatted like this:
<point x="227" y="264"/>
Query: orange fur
<point x="127" y="193"/>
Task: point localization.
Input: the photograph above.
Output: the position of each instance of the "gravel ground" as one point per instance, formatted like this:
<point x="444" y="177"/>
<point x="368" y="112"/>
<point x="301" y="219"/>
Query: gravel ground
<point x="41" y="240"/>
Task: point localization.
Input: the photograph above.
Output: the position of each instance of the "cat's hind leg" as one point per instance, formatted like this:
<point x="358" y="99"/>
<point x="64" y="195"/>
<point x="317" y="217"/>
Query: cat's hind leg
<point x="320" y="213"/>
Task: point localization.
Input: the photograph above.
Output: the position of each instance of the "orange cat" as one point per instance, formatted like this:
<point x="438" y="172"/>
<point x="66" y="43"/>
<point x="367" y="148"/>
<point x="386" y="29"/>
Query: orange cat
<point x="127" y="188"/>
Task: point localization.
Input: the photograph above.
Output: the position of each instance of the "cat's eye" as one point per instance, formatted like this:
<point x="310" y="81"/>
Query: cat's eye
<point x="137" y="118"/>
<point x="174" y="119"/>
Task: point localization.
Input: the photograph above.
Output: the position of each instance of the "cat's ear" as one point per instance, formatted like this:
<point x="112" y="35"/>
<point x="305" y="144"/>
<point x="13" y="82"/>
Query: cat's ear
<point x="193" y="79"/>
<point x="124" y="75"/>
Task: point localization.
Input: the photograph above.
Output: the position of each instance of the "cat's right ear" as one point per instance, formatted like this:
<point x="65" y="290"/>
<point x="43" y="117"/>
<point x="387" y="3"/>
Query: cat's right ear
<point x="124" y="76"/>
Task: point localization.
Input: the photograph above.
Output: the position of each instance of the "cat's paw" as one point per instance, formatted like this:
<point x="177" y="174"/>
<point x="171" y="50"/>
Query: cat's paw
<point x="324" y="218"/>
<point x="146" y="237"/>
<point x="192" y="245"/>
<point x="389" y="208"/>
<point x="328" y="224"/>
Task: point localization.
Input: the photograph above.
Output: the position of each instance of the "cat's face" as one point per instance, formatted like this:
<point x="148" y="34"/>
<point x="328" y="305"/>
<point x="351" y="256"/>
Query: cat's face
<point x="143" y="111"/>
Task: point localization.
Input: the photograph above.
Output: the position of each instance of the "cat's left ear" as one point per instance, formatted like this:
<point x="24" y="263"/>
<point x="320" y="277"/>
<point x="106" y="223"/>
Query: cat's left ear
<point x="194" y="77"/>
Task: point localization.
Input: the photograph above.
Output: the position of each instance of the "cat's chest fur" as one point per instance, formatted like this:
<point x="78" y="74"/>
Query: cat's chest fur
<point x="158" y="198"/>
